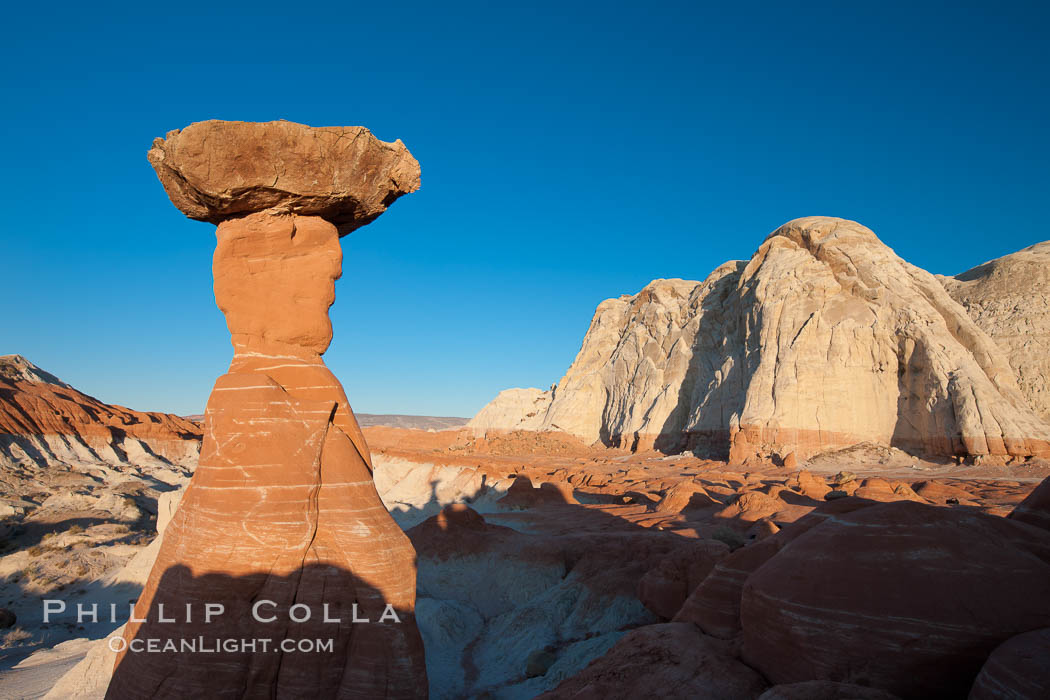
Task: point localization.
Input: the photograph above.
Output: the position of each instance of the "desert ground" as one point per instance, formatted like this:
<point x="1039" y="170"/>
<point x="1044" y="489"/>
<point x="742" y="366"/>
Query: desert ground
<point x="537" y="553"/>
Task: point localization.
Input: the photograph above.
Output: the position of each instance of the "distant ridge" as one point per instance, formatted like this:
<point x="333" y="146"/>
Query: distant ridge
<point x="392" y="420"/>
<point x="18" y="368"/>
<point x="44" y="421"/>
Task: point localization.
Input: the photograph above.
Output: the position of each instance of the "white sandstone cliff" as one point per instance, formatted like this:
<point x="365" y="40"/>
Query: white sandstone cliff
<point x="1009" y="298"/>
<point x="823" y="339"/>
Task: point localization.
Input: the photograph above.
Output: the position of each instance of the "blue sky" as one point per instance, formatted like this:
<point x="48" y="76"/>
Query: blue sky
<point x="571" y="152"/>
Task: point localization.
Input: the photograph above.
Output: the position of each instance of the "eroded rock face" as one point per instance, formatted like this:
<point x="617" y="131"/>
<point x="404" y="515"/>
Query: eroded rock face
<point x="513" y="409"/>
<point x="672" y="660"/>
<point x="1009" y="298"/>
<point x="44" y="421"/>
<point x="1016" y="669"/>
<point x="216" y="170"/>
<point x="282" y="507"/>
<point x="1035" y="508"/>
<point x="823" y="339"/>
<point x="905" y="597"/>
<point x="824" y="690"/>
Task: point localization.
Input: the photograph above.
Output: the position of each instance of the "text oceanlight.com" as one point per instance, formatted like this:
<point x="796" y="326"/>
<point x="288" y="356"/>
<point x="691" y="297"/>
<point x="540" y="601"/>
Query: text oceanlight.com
<point x="201" y="645"/>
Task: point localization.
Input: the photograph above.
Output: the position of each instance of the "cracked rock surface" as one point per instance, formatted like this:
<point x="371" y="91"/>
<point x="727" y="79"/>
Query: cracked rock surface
<point x="217" y="170"/>
<point x="1009" y="298"/>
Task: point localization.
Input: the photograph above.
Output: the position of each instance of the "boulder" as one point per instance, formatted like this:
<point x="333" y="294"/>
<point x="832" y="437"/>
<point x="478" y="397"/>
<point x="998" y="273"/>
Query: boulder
<point x="902" y="596"/>
<point x="1018" y="669"/>
<point x="522" y="494"/>
<point x="825" y="690"/>
<point x="940" y="493"/>
<point x="1035" y="508"/>
<point x="218" y="170"/>
<point x="808" y="485"/>
<point x="685" y="496"/>
<point x="876" y="489"/>
<point x="714" y="606"/>
<point x="664" y="588"/>
<point x="459" y="515"/>
<point x="763" y="528"/>
<point x="672" y="661"/>
<point x="750" y="506"/>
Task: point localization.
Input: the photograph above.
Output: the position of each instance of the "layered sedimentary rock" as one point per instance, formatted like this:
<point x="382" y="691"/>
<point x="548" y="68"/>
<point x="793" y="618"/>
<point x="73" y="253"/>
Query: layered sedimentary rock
<point x="1017" y="669"/>
<point x="673" y="661"/>
<point x="823" y="339"/>
<point x="906" y="597"/>
<point x="45" y="421"/>
<point x="1035" y="508"/>
<point x="282" y="508"/>
<point x="1009" y="298"/>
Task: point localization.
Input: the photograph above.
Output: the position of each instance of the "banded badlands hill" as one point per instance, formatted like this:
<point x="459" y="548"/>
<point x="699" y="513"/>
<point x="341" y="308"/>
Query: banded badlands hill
<point x="822" y="340"/>
<point x="45" y="421"/>
<point x="82" y="486"/>
<point x="68" y="460"/>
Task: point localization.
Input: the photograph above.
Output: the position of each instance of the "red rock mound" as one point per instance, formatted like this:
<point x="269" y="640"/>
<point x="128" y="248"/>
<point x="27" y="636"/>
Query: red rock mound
<point x="1019" y="669"/>
<point x="668" y="661"/>
<point x="1035" y="509"/>
<point x="902" y="596"/>
<point x="808" y="485"/>
<point x="664" y="588"/>
<point x="825" y="690"/>
<point x="523" y="494"/>
<point x="685" y="496"/>
<point x="714" y="605"/>
<point x="750" y="506"/>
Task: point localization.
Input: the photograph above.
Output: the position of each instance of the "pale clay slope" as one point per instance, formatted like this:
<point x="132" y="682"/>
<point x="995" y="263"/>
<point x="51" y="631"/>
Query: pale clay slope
<point x="823" y="339"/>
<point x="1009" y="298"/>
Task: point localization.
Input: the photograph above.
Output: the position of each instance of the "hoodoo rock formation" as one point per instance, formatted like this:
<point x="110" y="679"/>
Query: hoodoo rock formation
<point x="824" y="339"/>
<point x="282" y="510"/>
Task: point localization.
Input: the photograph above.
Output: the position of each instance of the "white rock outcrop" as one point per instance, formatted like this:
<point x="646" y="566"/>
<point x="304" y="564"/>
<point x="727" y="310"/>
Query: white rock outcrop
<point x="513" y="409"/>
<point x="1009" y="298"/>
<point x="825" y="338"/>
